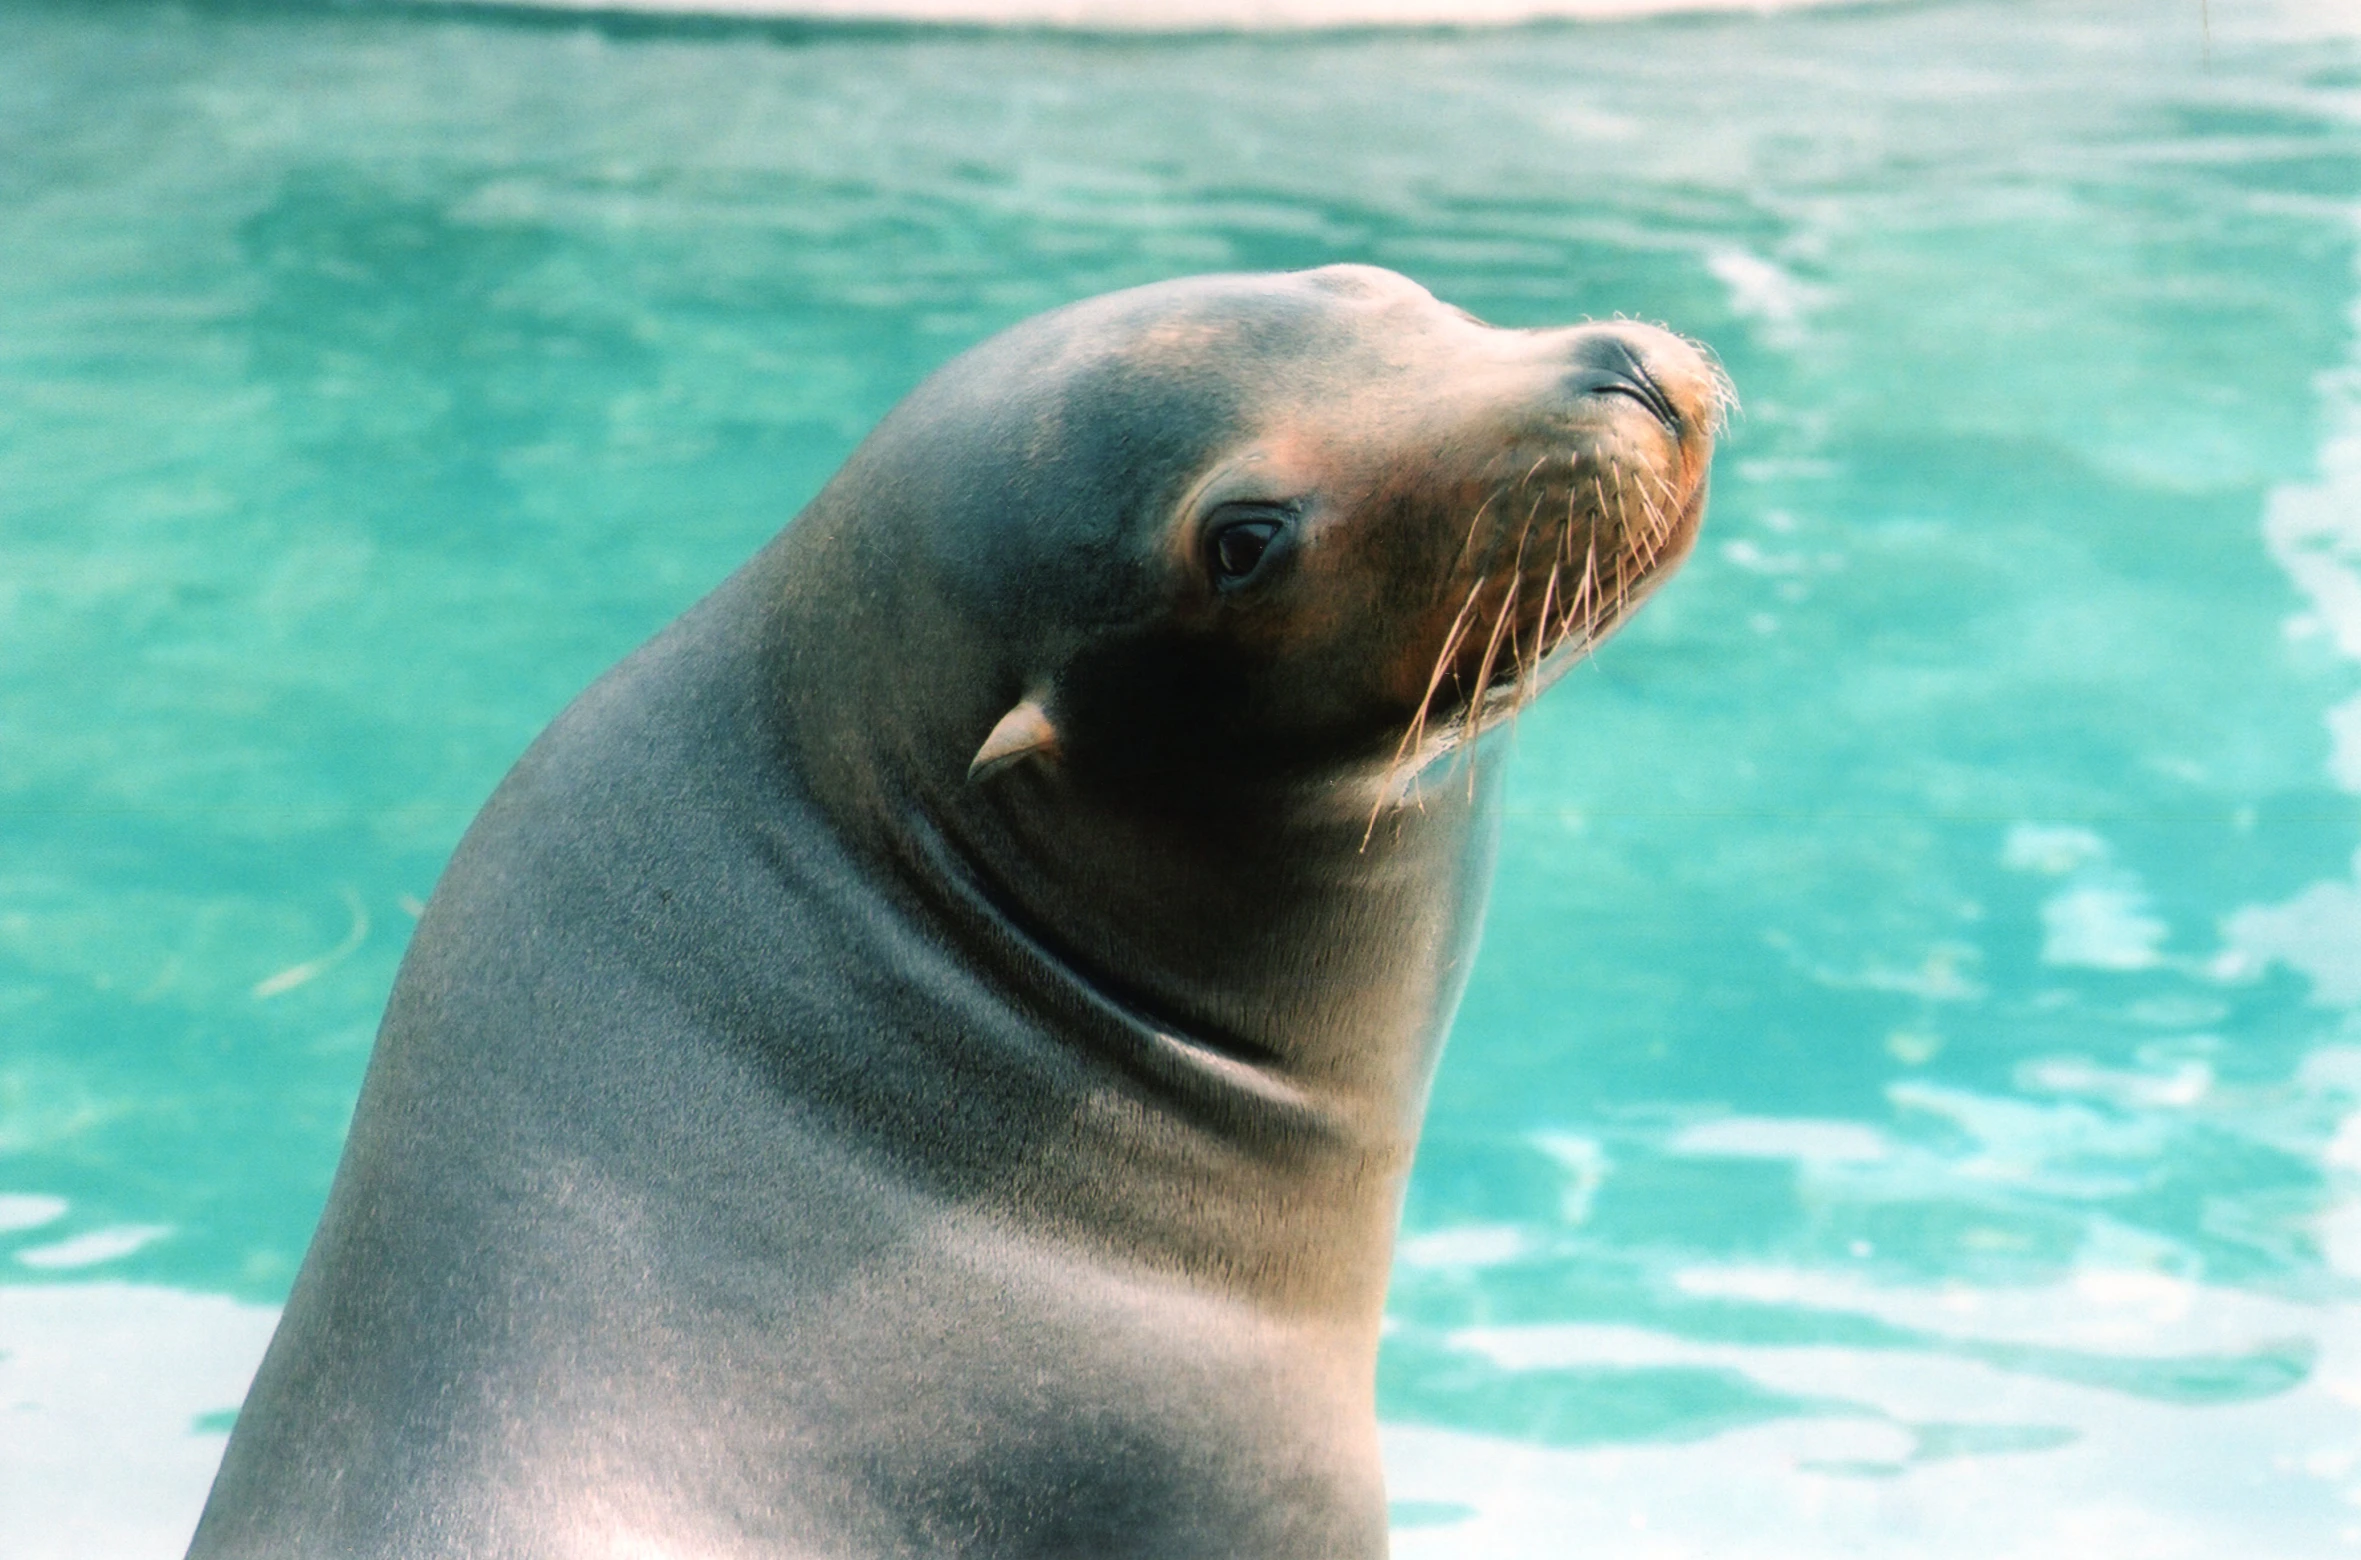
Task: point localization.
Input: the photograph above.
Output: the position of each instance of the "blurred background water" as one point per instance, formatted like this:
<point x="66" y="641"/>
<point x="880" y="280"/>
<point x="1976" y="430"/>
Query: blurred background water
<point x="1910" y="1100"/>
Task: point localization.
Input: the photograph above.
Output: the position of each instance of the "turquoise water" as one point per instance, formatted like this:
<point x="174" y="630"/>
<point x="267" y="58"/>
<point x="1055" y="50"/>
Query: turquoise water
<point x="1910" y="1101"/>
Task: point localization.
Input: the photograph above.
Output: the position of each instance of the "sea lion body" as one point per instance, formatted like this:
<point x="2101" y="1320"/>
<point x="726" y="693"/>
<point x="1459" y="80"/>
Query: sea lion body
<point x="922" y="1058"/>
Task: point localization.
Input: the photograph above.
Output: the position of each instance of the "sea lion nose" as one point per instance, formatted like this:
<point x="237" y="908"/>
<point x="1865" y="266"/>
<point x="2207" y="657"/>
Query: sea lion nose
<point x="1666" y="374"/>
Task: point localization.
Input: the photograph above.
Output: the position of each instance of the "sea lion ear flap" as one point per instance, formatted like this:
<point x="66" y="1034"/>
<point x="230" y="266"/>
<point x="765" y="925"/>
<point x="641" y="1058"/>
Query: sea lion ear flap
<point x="1022" y="732"/>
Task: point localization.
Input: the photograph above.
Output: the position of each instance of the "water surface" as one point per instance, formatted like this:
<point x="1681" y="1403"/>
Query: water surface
<point x="1910" y="1101"/>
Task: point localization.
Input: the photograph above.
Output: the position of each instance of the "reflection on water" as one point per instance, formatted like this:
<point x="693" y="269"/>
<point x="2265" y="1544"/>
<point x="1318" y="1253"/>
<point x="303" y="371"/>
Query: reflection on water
<point x="1910" y="1103"/>
<point x="2085" y="1301"/>
<point x="115" y="1402"/>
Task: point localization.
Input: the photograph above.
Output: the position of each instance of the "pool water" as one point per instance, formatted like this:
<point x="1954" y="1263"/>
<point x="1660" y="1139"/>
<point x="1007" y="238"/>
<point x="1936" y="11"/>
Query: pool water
<point x="1910" y="1100"/>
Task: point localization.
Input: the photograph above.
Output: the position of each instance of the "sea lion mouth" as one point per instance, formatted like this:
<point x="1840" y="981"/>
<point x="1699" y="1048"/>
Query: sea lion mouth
<point x="1576" y="526"/>
<point x="1597" y="532"/>
<point x="1555" y="561"/>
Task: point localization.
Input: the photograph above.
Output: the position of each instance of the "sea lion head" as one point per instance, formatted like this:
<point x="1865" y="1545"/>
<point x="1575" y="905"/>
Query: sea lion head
<point x="1138" y="623"/>
<point x="1303" y="533"/>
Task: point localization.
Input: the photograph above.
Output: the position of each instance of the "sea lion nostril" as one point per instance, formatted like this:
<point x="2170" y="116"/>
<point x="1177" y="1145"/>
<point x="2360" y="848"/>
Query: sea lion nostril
<point x="1644" y="391"/>
<point x="1610" y="366"/>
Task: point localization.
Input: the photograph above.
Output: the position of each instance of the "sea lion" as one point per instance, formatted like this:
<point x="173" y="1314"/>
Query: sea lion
<point x="922" y="1058"/>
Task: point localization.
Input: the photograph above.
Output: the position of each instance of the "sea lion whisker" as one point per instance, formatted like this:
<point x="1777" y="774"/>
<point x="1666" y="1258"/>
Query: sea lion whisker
<point x="1549" y="591"/>
<point x="1571" y="610"/>
<point x="1664" y="491"/>
<point x="1659" y="511"/>
<point x="1415" y="732"/>
<point x="1659" y="530"/>
<point x="1470" y="540"/>
<point x="1620" y="562"/>
<point x="1639" y="539"/>
<point x="1500" y="622"/>
<point x="1475" y="702"/>
<point x="1593" y="589"/>
<point x="1507" y="619"/>
<point x="1644" y="503"/>
<point x="1523" y="688"/>
<point x="1607" y="511"/>
<point x="1623" y="572"/>
<point x="1660" y="516"/>
<point x="1460" y="624"/>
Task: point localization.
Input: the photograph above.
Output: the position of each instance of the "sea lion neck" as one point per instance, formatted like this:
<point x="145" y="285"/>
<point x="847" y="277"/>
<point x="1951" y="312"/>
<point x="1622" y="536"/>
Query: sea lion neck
<point x="1310" y="962"/>
<point x="1020" y="532"/>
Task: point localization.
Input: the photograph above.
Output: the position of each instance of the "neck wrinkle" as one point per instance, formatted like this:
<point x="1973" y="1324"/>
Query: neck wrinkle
<point x="1221" y="1083"/>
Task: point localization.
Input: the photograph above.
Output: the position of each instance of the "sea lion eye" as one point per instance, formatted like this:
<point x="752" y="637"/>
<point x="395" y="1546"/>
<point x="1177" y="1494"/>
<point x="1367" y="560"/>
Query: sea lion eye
<point x="1237" y="549"/>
